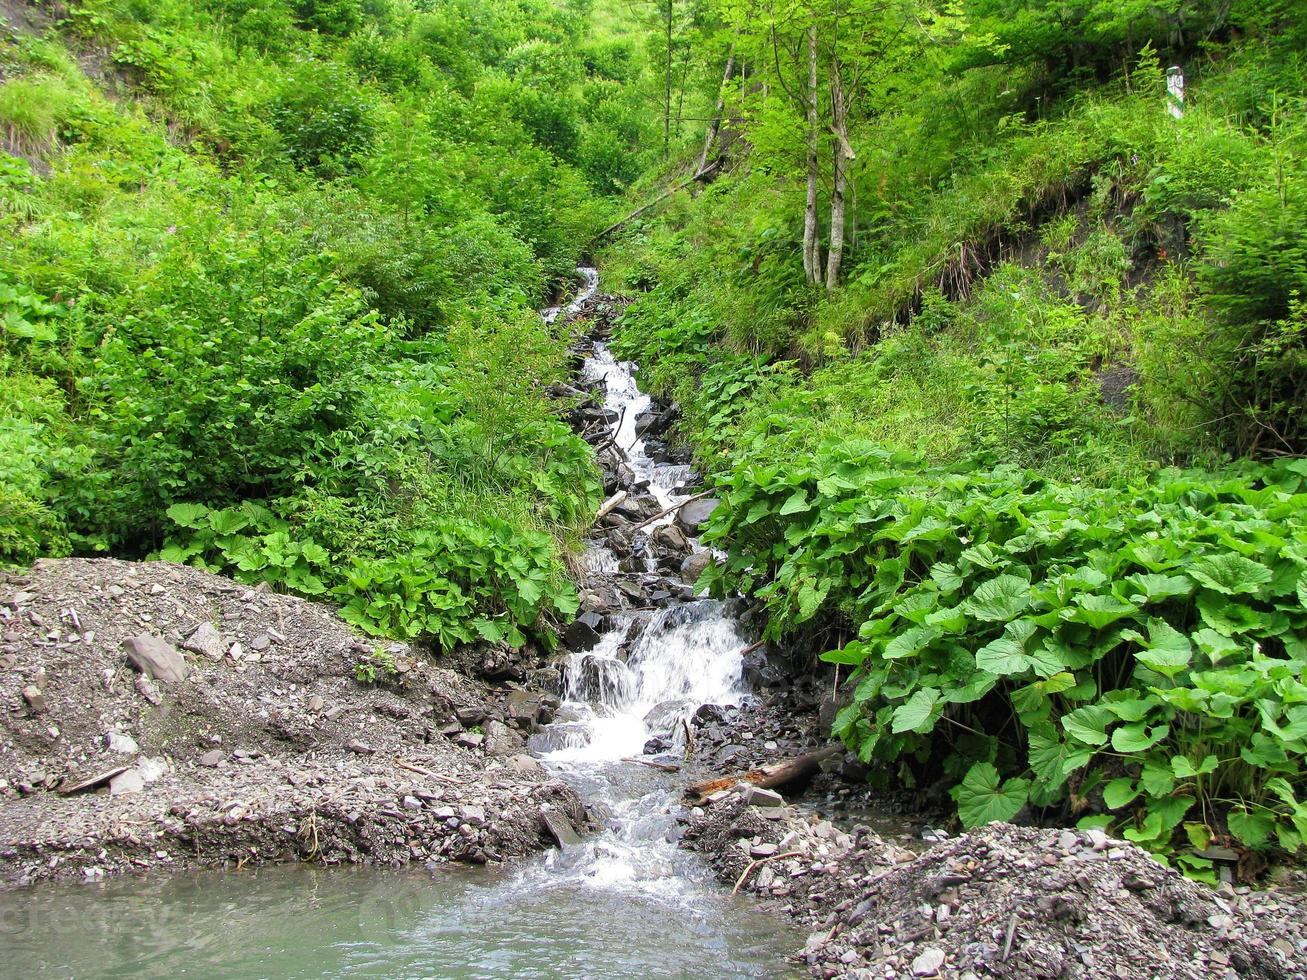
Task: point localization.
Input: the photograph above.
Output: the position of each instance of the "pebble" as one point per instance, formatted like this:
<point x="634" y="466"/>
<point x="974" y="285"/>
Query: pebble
<point x="928" y="962"/>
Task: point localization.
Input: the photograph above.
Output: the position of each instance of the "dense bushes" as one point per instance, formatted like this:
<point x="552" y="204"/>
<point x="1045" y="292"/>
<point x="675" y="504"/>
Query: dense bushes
<point x="270" y="310"/>
<point x="1130" y="655"/>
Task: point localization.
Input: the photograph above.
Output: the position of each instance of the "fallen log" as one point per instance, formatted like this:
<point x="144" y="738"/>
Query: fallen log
<point x="765" y="777"/>
<point x="610" y="505"/>
<point x="663" y="513"/>
<point x="660" y="766"/>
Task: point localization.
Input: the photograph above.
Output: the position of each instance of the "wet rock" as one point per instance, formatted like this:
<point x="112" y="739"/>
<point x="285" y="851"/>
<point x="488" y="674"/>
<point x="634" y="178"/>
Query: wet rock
<point x="600" y="679"/>
<point x="559" y="827"/>
<point x="758" y="670"/>
<point x="667" y="715"/>
<point x="156" y="659"/>
<point x="707" y="714"/>
<point x="583" y="633"/>
<point x="671" y="538"/>
<point x="694" y="566"/>
<point x="206" y="640"/>
<point x="693" y="515"/>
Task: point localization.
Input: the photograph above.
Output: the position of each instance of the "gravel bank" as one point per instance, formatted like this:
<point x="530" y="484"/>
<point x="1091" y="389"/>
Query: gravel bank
<point x="1003" y="901"/>
<point x="241" y="734"/>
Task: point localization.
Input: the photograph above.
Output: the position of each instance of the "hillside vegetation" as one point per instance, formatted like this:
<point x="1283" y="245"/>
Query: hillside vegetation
<point x="268" y="272"/>
<point x="999" y="367"/>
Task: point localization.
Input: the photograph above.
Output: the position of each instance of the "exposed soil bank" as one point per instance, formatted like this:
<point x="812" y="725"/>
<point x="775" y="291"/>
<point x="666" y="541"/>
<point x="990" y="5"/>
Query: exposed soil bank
<point x="268" y="749"/>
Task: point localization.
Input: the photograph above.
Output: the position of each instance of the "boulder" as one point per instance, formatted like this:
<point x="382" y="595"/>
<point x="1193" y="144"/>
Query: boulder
<point x="694" y="566"/>
<point x="692" y="515"/>
<point x="671" y="538"/>
<point x="502" y="740"/>
<point x="156" y="658"/>
<point x="759" y="671"/>
<point x="205" y="639"/>
<point x="583" y="633"/>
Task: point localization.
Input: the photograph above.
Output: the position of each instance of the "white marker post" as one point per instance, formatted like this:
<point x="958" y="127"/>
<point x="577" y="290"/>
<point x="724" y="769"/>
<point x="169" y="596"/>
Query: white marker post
<point x="1175" y="91"/>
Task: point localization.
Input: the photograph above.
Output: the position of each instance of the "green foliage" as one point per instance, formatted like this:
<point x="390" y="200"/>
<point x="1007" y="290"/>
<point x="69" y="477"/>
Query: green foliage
<point x="1145" y="638"/>
<point x="377" y="667"/>
<point x="269" y="310"/>
<point x="326" y="120"/>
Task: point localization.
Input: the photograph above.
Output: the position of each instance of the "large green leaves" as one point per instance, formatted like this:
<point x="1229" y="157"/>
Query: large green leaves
<point x="999" y="599"/>
<point x="1230" y="574"/>
<point x="918" y="713"/>
<point x="983" y="797"/>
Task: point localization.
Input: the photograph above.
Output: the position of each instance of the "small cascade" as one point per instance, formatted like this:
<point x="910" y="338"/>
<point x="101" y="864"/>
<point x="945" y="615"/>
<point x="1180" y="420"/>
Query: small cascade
<point x="647" y="674"/>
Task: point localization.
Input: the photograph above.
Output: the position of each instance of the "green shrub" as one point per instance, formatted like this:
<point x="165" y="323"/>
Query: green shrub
<point x="325" y="118"/>
<point x="1042" y="642"/>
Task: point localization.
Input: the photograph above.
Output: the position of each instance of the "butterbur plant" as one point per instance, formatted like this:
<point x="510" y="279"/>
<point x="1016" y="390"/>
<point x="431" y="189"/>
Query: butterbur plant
<point x="1128" y="656"/>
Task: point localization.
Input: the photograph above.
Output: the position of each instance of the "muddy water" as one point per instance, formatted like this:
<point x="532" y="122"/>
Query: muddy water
<point x="626" y="902"/>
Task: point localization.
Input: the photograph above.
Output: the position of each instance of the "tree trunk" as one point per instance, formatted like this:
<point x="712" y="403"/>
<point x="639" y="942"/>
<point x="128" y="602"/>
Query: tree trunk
<point x="844" y="155"/>
<point x="766" y="777"/>
<point x="667" y="82"/>
<point x="811" y="247"/>
<point x="835" y="254"/>
<point x="715" y="124"/>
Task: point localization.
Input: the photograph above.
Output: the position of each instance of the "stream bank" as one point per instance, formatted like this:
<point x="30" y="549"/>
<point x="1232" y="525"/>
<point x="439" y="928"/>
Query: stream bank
<point x="877" y="899"/>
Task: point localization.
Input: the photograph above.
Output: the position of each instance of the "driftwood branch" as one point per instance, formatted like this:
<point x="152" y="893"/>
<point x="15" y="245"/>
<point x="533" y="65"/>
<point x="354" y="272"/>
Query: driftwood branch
<point x="652" y="764"/>
<point x="766" y="777"/>
<point x="759" y="862"/>
<point x="611" y="504"/>
<point x="663" y="513"/>
<point x="702" y="175"/>
<point x="428" y="773"/>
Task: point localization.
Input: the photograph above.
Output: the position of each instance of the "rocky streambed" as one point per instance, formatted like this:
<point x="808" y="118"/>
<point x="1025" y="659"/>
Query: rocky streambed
<point x="160" y="718"/>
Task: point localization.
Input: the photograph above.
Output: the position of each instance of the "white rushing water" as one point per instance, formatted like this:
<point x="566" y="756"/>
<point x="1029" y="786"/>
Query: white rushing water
<point x="623" y="692"/>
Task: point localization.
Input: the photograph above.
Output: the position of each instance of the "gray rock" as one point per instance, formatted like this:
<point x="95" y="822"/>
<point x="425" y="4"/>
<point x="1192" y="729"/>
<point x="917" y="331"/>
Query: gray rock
<point x="523" y="764"/>
<point x="214" y="757"/>
<point x="928" y="962"/>
<point x="470" y="740"/>
<point x="205" y="639"/>
<point x="757" y="796"/>
<point x="118" y="742"/>
<point x="762" y="851"/>
<point x="469" y="716"/>
<point x="151" y="769"/>
<point x="126" y="782"/>
<point x="156" y="659"/>
<point x="559" y="827"/>
<point x="694" y="566"/>
<point x="690" y="517"/>
<point x="501" y="740"/>
<point x="671" y="537"/>
<point x="474" y="815"/>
